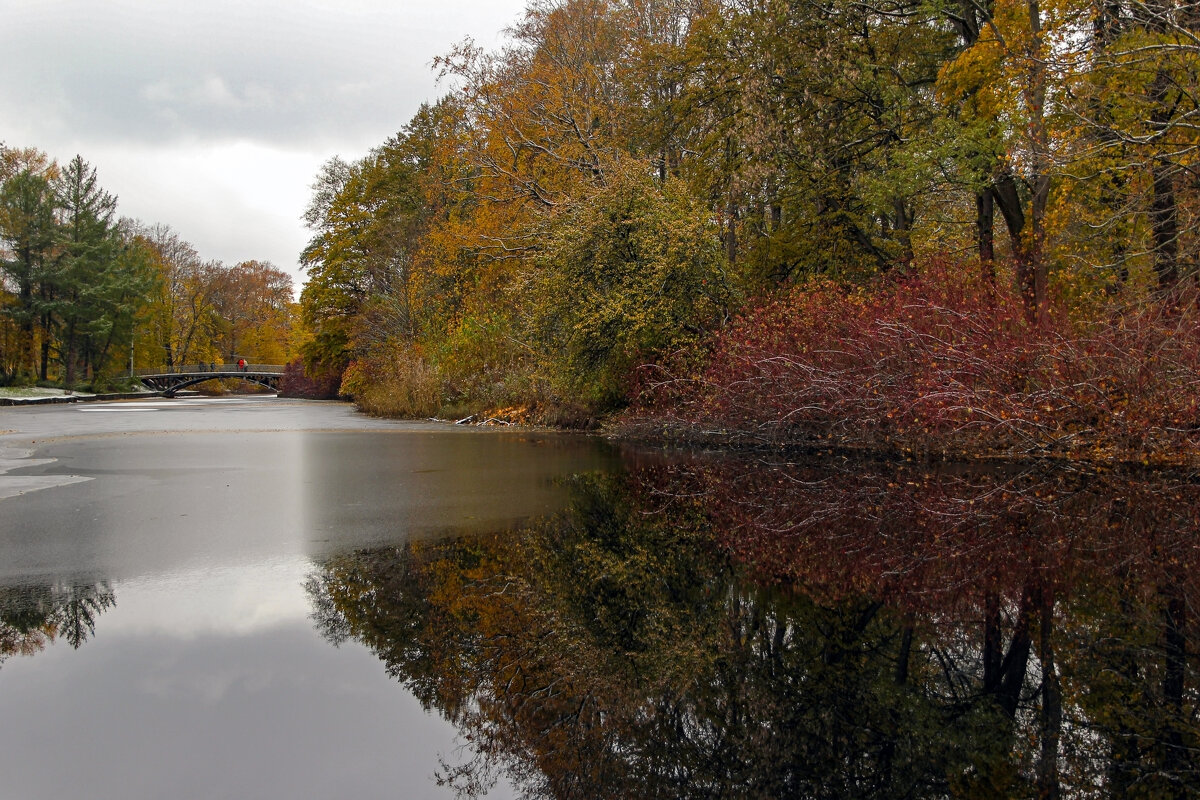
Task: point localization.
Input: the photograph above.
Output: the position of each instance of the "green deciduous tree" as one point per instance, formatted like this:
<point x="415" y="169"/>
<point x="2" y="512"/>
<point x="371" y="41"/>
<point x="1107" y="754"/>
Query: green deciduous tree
<point x="632" y="274"/>
<point x="29" y="230"/>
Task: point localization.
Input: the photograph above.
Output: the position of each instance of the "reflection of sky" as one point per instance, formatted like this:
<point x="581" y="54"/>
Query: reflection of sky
<point x="239" y="600"/>
<point x="207" y="678"/>
<point x="213" y="683"/>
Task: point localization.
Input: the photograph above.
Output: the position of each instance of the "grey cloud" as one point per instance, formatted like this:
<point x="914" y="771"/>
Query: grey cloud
<point x="270" y="71"/>
<point x="161" y="95"/>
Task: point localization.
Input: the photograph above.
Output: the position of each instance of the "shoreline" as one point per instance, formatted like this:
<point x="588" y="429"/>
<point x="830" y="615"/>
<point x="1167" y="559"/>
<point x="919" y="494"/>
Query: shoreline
<point x="73" y="398"/>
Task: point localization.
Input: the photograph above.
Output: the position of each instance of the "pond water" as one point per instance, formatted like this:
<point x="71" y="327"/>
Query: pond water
<point x="265" y="598"/>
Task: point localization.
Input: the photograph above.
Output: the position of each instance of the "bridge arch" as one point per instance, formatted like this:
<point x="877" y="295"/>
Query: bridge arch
<point x="170" y="382"/>
<point x="267" y="382"/>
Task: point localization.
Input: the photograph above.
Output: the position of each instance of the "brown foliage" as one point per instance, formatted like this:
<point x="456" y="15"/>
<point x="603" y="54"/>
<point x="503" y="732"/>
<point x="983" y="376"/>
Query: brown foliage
<point x="938" y="364"/>
<point x="297" y="382"/>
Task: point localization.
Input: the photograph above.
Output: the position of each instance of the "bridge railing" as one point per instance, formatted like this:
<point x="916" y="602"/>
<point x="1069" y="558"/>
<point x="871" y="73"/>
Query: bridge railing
<point x="212" y="366"/>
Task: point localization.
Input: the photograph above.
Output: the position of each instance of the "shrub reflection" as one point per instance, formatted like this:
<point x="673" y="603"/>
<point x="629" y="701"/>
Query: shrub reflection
<point x="723" y="628"/>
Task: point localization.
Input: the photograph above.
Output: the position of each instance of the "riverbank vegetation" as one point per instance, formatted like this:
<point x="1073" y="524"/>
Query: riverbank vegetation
<point x="86" y="297"/>
<point x="937" y="363"/>
<point x="931" y="227"/>
<point x="940" y="227"/>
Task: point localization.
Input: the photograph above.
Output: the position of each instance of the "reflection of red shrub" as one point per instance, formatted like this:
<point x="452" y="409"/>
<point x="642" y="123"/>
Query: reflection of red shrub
<point x="296" y="382"/>
<point x="941" y="364"/>
<point x="938" y="539"/>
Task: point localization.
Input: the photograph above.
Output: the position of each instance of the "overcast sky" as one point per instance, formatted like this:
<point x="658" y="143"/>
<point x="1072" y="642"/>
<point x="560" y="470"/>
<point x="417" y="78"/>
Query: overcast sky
<point x="213" y="116"/>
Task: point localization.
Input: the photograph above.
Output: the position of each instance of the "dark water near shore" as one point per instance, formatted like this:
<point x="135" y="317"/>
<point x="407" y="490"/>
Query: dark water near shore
<point x="269" y="599"/>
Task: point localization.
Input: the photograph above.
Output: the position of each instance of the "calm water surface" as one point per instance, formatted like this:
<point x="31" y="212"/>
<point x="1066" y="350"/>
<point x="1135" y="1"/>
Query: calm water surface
<point x="155" y="631"/>
<point x="261" y="598"/>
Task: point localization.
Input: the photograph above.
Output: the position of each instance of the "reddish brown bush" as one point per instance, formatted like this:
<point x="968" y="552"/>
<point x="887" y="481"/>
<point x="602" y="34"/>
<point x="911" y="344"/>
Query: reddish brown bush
<point x="296" y="382"/>
<point x="939" y="364"/>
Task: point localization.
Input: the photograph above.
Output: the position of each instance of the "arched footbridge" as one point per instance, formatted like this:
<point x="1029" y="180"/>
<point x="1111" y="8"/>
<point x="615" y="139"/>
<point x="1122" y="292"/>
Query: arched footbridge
<point x="170" y="380"/>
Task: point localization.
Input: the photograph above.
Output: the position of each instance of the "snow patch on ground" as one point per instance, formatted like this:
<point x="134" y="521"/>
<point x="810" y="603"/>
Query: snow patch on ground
<point x="35" y="392"/>
<point x="15" y="485"/>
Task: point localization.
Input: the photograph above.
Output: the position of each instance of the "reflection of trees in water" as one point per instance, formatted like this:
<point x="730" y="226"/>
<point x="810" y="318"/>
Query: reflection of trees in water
<point x="709" y="628"/>
<point x="33" y="616"/>
<point x="1061" y="597"/>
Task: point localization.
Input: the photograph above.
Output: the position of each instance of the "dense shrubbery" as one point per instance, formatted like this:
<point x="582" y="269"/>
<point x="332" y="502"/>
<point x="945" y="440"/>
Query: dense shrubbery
<point x="632" y="274"/>
<point x="298" y="382"/>
<point x="940" y="364"/>
<point x="626" y="277"/>
<point x="402" y="385"/>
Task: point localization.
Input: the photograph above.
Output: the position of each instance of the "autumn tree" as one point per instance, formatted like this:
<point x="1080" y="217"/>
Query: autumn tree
<point x="816" y="139"/>
<point x="84" y="289"/>
<point x="634" y="273"/>
<point x="548" y="107"/>
<point x="1138" y="102"/>
<point x="339" y="279"/>
<point x="29" y="233"/>
<point x="812" y="123"/>
<point x="252" y="301"/>
<point x="79" y="276"/>
<point x="182" y="315"/>
<point x="34" y="616"/>
<point x="365" y="218"/>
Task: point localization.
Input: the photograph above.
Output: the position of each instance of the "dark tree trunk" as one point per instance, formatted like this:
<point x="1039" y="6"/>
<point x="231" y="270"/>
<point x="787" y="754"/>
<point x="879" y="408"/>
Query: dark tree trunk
<point x="985" y="223"/>
<point x="905" y="656"/>
<point x="44" y="366"/>
<point x="72" y="358"/>
<point x="1164" y="223"/>
<point x="993" y="649"/>
<point x="1004" y="190"/>
<point x="1004" y="678"/>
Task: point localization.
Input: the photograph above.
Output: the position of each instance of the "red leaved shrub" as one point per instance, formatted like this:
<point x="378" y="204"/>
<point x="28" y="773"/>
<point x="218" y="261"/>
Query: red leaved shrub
<point x="296" y="382"/>
<point x="939" y="364"/>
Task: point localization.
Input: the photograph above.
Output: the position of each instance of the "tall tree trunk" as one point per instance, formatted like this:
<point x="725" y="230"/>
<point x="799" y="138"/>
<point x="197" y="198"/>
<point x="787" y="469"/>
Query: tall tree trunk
<point x="1011" y="675"/>
<point x="985" y="224"/>
<point x="26" y="357"/>
<point x="905" y="656"/>
<point x="1039" y="182"/>
<point x="1004" y="190"/>
<point x="993" y="648"/>
<point x="72" y="358"/>
<point x="1164" y="223"/>
<point x="44" y="366"/>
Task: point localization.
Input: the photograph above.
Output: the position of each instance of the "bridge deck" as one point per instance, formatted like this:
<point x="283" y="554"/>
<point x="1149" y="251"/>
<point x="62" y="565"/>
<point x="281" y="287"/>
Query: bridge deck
<point x="211" y="367"/>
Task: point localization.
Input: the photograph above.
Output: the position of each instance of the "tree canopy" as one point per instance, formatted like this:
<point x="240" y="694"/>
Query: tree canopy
<point x="86" y="296"/>
<point x="623" y="177"/>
